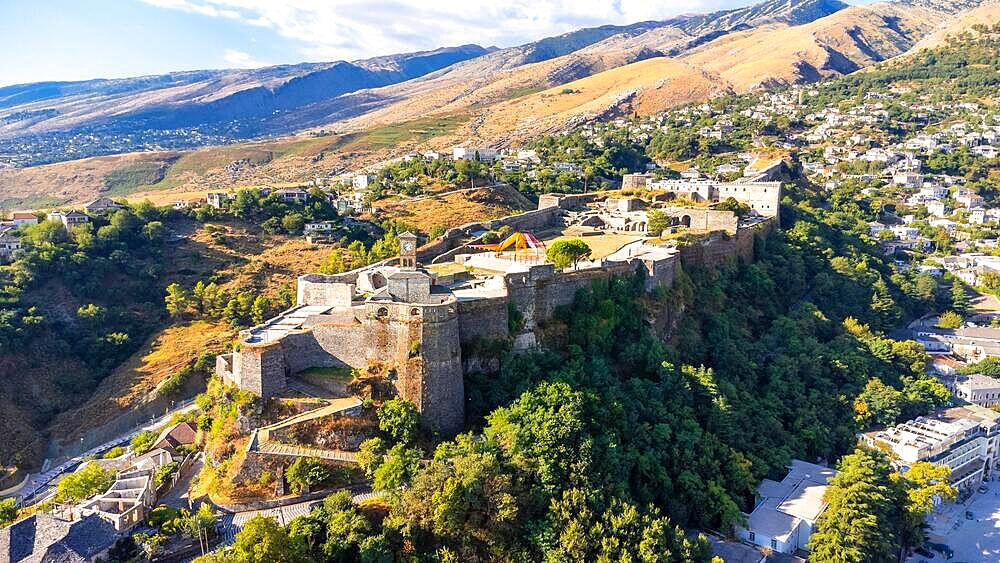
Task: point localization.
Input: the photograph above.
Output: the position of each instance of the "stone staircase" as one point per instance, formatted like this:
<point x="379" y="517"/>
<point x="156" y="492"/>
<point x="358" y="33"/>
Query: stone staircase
<point x="260" y="440"/>
<point x="274" y="448"/>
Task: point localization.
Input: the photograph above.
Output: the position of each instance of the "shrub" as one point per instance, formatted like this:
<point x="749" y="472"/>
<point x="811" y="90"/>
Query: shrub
<point x="142" y="442"/>
<point x="165" y="473"/>
<point x="8" y="511"/>
<point x="114" y="452"/>
<point x="306" y="472"/>
<point x="950" y="319"/>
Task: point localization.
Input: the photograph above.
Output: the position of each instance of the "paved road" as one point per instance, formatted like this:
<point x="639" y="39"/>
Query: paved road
<point x="977" y="539"/>
<point x="42" y="485"/>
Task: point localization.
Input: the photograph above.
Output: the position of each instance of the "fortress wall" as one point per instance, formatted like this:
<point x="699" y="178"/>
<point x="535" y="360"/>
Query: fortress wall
<point x="704" y="219"/>
<point x="718" y="249"/>
<point x="338" y="294"/>
<point x="346" y="343"/>
<point x="443" y="387"/>
<point x="536" y="220"/>
<point x="762" y="197"/>
<point x="484" y="319"/>
<point x="660" y="272"/>
<point x="261" y="368"/>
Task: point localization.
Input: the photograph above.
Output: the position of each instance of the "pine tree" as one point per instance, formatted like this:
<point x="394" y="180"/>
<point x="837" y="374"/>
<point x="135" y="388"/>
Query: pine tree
<point x="959" y="298"/>
<point x="862" y="520"/>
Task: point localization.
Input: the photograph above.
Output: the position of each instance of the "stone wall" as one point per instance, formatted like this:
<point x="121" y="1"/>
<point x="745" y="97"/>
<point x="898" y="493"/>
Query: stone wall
<point x="762" y="197"/>
<point x="322" y="292"/>
<point x="703" y="218"/>
<point x="260" y="368"/>
<point x="719" y="248"/>
<point x="484" y="319"/>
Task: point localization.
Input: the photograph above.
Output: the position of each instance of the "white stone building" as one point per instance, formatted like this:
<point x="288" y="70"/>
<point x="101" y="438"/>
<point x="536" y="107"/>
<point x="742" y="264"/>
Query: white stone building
<point x="787" y="511"/>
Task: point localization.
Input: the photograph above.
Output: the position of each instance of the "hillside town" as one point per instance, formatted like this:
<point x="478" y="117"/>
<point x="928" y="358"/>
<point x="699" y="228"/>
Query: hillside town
<point x="723" y="322"/>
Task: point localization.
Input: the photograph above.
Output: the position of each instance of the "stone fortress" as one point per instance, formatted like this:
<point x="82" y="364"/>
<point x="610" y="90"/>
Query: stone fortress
<point x="418" y="316"/>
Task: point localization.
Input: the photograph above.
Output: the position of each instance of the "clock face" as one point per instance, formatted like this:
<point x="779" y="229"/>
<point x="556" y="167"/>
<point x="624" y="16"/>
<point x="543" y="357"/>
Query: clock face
<point x="407" y="246"/>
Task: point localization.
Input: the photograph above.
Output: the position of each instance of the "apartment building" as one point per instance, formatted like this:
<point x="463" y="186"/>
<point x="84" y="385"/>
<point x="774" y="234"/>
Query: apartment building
<point x="963" y="438"/>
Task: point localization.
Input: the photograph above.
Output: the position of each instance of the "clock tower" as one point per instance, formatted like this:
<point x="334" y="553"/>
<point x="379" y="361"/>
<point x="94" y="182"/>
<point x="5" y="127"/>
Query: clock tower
<point x="408" y="251"/>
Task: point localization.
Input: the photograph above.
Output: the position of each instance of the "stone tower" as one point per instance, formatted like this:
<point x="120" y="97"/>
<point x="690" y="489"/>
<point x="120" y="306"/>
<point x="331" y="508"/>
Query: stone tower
<point x="408" y="251"/>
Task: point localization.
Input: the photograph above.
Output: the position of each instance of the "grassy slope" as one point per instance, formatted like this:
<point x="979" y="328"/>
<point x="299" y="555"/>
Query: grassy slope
<point x="455" y="208"/>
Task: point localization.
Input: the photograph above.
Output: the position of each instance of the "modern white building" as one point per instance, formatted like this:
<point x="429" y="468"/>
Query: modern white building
<point x="786" y="511"/>
<point x="963" y="438"/>
<point x="474" y="153"/>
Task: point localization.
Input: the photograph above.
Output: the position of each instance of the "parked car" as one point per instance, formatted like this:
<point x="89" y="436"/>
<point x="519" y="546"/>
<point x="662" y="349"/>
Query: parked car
<point x="941" y="548"/>
<point x="969" y="516"/>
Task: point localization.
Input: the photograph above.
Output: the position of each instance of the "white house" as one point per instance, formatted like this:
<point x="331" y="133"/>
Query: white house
<point x="786" y="511"/>
<point x="69" y="218"/>
<point x="937" y="208"/>
<point x="908" y="180"/>
<point x="320" y="227"/>
<point x="361" y="181"/>
<point x="22" y="218"/>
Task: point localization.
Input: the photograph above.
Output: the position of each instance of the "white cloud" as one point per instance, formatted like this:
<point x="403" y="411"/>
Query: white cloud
<point x="350" y="29"/>
<point x="239" y="59"/>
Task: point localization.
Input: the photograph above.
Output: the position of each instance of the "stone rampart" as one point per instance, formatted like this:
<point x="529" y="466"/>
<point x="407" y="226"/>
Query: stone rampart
<point x="483" y="319"/>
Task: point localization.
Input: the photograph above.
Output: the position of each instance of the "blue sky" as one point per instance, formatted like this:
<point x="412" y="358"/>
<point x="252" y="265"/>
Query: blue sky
<point x="79" y="39"/>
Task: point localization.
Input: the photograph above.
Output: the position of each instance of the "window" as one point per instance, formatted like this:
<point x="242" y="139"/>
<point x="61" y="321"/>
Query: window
<point x="751" y="536"/>
<point x="774" y="545"/>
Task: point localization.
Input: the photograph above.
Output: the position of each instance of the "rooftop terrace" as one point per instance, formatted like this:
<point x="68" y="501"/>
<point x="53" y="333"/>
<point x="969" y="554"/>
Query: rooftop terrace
<point x="276" y="328"/>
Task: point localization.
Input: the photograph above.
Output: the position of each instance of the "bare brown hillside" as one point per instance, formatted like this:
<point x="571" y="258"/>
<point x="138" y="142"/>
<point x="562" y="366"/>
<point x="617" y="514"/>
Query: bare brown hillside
<point x="838" y="44"/>
<point x="987" y="14"/>
<point x="509" y="95"/>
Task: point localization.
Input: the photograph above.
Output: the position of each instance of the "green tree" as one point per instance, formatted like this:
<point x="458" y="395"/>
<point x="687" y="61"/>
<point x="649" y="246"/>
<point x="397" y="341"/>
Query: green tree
<point x="293" y="223"/>
<point x="154" y="231"/>
<point x="91" y="479"/>
<point x="397" y="468"/>
<point x="399" y="420"/>
<point x="989" y="366"/>
<point x="959" y="297"/>
<point x="262" y="540"/>
<point x="306" y="472"/>
<point x="659" y="221"/>
<point x="923" y="485"/>
<point x="177" y="301"/>
<point x="566" y="252"/>
<point x="862" y="518"/>
<point x="950" y="319"/>
<point x="878" y="403"/>
<point x="260" y="310"/>
<point x="142" y="442"/>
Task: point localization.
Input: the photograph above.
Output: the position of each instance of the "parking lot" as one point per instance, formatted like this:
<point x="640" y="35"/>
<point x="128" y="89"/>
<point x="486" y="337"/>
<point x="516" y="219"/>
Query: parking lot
<point x="972" y="540"/>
